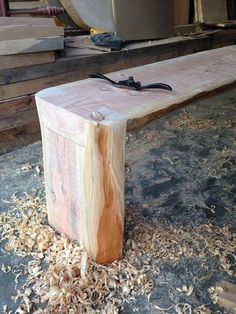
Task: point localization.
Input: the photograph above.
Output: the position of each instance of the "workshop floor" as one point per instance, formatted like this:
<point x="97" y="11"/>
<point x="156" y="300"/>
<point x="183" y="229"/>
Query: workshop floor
<point x="180" y="188"/>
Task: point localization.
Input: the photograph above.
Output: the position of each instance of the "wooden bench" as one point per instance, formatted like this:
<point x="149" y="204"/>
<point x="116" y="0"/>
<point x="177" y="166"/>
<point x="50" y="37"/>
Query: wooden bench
<point x="84" y="127"/>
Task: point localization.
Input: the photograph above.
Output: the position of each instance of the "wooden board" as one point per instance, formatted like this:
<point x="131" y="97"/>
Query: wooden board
<point x="210" y="11"/>
<point x="227" y="297"/>
<point x="18" y="136"/>
<point x="135" y="54"/>
<point x="11" y="47"/>
<point x="7" y="21"/>
<point x="181" y="12"/>
<point x="22" y="60"/>
<point x="23" y="81"/>
<point x="84" y="128"/>
<point x="24" y="5"/>
<point x="12" y="106"/>
<point x="17" y="32"/>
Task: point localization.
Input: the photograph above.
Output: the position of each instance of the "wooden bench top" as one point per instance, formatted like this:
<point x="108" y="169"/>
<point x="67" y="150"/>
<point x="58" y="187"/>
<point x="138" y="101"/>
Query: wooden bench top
<point x="189" y="77"/>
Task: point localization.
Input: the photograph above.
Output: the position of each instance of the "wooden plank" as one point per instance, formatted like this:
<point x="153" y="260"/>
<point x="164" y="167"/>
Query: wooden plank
<point x="19" y="136"/>
<point x="84" y="127"/>
<point x="34" y="31"/>
<point x="26" y="59"/>
<point x="227" y="286"/>
<point x="19" y="104"/>
<point x="181" y="12"/>
<point x="27" y="45"/>
<point x="209" y="11"/>
<point x="24" y="5"/>
<point x="227" y="300"/>
<point x="135" y="55"/>
<point x="32" y="86"/>
<point x="18" y="118"/>
<point x="173" y="48"/>
<point x="33" y="21"/>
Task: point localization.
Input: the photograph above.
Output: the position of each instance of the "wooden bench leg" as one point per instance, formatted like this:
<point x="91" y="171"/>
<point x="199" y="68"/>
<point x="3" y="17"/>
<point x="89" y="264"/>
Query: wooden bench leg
<point x="103" y="189"/>
<point x="85" y="185"/>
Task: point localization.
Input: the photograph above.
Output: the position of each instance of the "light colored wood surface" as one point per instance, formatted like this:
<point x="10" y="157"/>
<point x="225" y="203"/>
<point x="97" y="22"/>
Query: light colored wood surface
<point x="84" y="151"/>
<point x="7" y="21"/>
<point x="210" y="11"/>
<point x="24" y="31"/>
<point x="11" y="47"/>
<point x="21" y="60"/>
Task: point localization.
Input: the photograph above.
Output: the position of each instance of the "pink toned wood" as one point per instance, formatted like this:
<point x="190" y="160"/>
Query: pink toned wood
<point x="84" y="158"/>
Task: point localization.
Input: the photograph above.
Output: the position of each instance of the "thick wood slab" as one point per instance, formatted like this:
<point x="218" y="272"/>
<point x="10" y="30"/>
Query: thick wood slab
<point x="24" y="31"/>
<point x="11" y="47"/>
<point x="83" y="128"/>
<point x="21" y="60"/>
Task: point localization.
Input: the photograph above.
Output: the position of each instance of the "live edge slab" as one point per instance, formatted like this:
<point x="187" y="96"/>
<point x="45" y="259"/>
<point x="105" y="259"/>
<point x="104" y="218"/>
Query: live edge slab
<point x="84" y="126"/>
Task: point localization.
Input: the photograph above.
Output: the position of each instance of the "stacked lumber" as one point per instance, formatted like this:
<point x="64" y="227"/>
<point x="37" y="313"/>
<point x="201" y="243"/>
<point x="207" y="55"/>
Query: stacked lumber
<point x="24" y="42"/>
<point x="27" y="35"/>
<point x="22" y="75"/>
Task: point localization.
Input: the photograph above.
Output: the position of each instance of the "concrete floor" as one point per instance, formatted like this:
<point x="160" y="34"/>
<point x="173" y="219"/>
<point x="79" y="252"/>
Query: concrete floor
<point x="180" y="171"/>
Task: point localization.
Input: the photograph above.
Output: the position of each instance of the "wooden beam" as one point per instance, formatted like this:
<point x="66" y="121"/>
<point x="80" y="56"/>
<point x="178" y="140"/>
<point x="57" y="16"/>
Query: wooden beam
<point x="83" y="127"/>
<point x="12" y="106"/>
<point x="6" y="21"/>
<point x="24" y="31"/>
<point x="134" y="56"/>
<point x="181" y="12"/>
<point x="26" y="59"/>
<point x="210" y="11"/>
<point x="18" y="136"/>
<point x="11" y="47"/>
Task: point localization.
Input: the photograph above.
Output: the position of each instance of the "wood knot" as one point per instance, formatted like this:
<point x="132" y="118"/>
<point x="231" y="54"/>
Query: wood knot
<point x="97" y="116"/>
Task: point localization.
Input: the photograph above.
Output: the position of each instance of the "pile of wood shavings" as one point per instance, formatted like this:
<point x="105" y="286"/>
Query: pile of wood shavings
<point x="71" y="282"/>
<point x="185" y="121"/>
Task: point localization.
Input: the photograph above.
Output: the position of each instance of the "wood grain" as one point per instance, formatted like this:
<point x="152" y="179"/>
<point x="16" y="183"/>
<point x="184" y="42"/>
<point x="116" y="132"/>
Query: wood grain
<point x="181" y="12"/>
<point x="136" y="55"/>
<point x="22" y="60"/>
<point x="15" y="105"/>
<point x="24" y="31"/>
<point x="4" y="21"/>
<point x="210" y="11"/>
<point x="11" y="47"/>
<point x="18" y="136"/>
<point x="83" y="127"/>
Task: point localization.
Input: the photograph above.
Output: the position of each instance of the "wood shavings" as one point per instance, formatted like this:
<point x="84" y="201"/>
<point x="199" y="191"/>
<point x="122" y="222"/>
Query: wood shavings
<point x="72" y="283"/>
<point x="26" y="167"/>
<point x="183" y="308"/>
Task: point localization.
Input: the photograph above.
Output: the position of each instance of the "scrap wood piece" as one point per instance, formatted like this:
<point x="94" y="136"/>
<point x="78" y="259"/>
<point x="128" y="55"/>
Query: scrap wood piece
<point x="84" y="127"/>
<point x="12" y="47"/>
<point x="210" y="11"/>
<point x="15" y="32"/>
<point x="43" y="21"/>
<point x="227" y="297"/>
<point x="23" y="59"/>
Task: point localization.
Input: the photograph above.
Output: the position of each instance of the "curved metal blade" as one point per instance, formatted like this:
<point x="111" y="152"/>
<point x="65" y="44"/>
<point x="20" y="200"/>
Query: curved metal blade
<point x="156" y="85"/>
<point x="101" y="76"/>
